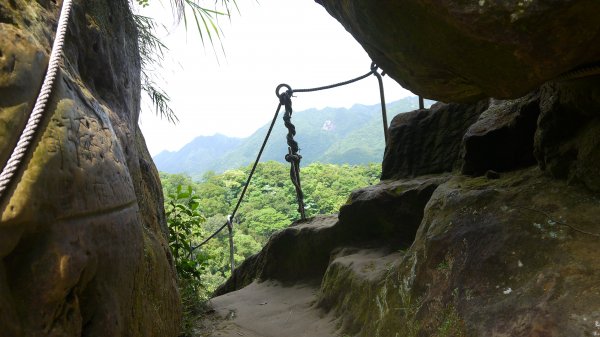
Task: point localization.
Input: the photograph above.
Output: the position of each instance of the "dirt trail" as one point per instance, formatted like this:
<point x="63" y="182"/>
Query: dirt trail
<point x="269" y="309"/>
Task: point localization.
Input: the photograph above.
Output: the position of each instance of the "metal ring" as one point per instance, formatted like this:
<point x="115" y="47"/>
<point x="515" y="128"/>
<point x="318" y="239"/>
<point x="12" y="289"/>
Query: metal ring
<point x="283" y="85"/>
<point x="374" y="66"/>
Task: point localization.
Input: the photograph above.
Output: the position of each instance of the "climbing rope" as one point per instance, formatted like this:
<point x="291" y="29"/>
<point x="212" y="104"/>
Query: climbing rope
<point x="241" y="197"/>
<point x="374" y="71"/>
<point x="293" y="157"/>
<point x="16" y="158"/>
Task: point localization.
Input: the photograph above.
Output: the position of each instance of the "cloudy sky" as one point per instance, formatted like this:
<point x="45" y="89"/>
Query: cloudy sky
<point x="270" y="42"/>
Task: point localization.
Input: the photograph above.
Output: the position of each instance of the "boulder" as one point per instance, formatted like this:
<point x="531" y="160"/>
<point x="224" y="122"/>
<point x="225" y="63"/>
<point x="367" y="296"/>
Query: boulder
<point x="463" y="51"/>
<point x="502" y="138"/>
<point x="387" y="214"/>
<point x="567" y="145"/>
<point x="350" y="289"/>
<point x="502" y="257"/>
<point x="515" y="256"/>
<point x="297" y="253"/>
<point x="428" y="141"/>
<point x="83" y="250"/>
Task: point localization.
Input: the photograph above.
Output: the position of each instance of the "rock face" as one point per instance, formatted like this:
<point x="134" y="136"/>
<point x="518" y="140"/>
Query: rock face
<point x="432" y="252"/>
<point x="458" y="51"/>
<point x="502" y="138"/>
<point x="82" y="230"/>
<point x="302" y="251"/>
<point x="507" y="257"/>
<point x="566" y="142"/>
<point x="502" y="257"/>
<point x="428" y="141"/>
<point x="466" y="235"/>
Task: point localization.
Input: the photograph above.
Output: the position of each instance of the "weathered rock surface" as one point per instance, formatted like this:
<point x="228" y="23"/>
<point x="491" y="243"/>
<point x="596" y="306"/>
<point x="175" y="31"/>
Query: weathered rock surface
<point x="353" y="272"/>
<point x="514" y="256"/>
<point x="457" y="51"/>
<point x="505" y="257"/>
<point x="385" y="214"/>
<point x="502" y="138"/>
<point x="82" y="230"/>
<point x="428" y="141"/>
<point x="557" y="125"/>
<point x="567" y="142"/>
<point x="297" y="253"/>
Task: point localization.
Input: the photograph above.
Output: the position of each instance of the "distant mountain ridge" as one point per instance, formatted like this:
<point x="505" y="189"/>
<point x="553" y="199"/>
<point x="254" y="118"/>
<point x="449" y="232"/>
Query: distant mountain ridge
<point x="201" y="152"/>
<point x="330" y="135"/>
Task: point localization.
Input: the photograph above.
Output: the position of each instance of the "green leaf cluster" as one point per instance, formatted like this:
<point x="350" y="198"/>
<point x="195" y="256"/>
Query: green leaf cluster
<point x="184" y="220"/>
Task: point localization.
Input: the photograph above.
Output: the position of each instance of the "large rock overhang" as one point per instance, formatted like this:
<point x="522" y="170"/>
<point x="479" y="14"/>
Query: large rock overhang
<point x="462" y="51"/>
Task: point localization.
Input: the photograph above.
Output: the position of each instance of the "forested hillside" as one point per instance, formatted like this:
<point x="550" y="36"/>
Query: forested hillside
<point x="269" y="205"/>
<point x="203" y="151"/>
<point x="330" y="135"/>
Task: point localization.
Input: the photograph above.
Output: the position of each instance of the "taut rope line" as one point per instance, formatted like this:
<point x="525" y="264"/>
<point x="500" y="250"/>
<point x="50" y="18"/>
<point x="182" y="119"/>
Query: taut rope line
<point x="285" y="100"/>
<point x="16" y="157"/>
<point x="374" y="71"/>
<point x="293" y="157"/>
<point x="241" y="197"/>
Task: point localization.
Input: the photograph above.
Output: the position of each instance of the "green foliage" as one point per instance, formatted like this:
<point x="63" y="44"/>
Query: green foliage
<point x="152" y="52"/>
<point x="266" y="221"/>
<point x="183" y="220"/>
<point x="269" y="205"/>
<point x="152" y="48"/>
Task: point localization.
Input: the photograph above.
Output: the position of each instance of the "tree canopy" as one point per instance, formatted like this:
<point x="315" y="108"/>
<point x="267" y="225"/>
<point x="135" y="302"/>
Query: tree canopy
<point x="269" y="206"/>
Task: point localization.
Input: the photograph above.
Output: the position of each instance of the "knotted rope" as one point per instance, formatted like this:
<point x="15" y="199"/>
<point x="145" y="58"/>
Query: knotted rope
<point x="16" y="158"/>
<point x="293" y="157"/>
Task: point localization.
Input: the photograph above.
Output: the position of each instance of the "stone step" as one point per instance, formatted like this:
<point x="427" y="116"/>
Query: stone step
<point x="346" y="298"/>
<point x="353" y="287"/>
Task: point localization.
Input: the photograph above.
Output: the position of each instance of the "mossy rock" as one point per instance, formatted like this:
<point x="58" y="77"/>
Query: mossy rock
<point x="83" y="249"/>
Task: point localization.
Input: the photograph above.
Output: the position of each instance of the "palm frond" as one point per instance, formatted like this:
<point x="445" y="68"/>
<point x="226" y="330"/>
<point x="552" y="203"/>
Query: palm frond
<point x="160" y="100"/>
<point x="152" y="51"/>
<point x="206" y="19"/>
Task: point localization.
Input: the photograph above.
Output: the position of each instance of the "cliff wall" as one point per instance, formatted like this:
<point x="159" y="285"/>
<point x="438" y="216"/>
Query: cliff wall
<point x="82" y="228"/>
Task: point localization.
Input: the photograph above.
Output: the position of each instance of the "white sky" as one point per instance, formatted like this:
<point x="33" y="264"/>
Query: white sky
<point x="271" y="42"/>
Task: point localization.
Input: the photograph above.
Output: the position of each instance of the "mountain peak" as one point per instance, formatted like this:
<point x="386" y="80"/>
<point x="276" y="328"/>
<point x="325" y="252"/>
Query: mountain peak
<point x="329" y="135"/>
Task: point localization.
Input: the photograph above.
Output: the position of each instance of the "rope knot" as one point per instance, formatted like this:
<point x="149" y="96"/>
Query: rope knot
<point x="284" y="98"/>
<point x="293" y="158"/>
